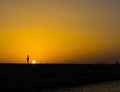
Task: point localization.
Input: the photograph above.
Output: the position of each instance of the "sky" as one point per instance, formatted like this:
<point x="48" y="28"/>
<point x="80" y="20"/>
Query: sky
<point x="60" y="31"/>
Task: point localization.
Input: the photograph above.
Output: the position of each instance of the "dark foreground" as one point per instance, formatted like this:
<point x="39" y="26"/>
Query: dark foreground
<point x="44" y="76"/>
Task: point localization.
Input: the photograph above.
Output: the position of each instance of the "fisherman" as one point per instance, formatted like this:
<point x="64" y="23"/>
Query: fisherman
<point x="27" y="59"/>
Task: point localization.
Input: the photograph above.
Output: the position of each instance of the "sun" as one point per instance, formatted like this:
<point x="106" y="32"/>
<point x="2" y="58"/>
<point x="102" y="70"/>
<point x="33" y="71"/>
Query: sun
<point x="34" y="62"/>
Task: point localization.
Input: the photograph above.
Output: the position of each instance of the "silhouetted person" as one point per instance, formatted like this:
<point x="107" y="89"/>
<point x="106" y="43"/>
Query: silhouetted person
<point x="27" y="59"/>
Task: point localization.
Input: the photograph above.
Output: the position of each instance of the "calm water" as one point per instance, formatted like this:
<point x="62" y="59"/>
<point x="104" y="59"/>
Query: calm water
<point x="100" y="87"/>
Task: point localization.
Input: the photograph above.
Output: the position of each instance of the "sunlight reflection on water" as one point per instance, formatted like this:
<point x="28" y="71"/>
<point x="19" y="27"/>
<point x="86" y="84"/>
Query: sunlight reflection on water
<point x="100" y="87"/>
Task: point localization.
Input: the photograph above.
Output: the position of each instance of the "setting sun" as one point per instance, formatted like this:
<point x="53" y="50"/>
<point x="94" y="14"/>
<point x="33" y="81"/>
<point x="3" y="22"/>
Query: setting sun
<point x="33" y="62"/>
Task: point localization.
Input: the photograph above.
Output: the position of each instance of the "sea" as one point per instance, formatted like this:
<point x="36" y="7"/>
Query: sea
<point x="112" y="86"/>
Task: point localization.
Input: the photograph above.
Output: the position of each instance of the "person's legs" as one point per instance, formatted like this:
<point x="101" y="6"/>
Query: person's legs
<point x="28" y="61"/>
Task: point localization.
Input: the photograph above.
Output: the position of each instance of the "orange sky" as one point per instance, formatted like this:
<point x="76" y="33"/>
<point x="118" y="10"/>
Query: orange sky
<point x="59" y="31"/>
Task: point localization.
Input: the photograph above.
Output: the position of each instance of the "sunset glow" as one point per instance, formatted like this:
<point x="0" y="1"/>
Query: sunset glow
<point x="60" y="31"/>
